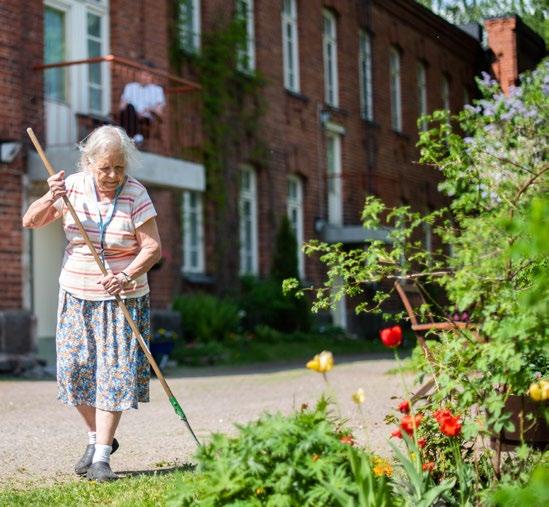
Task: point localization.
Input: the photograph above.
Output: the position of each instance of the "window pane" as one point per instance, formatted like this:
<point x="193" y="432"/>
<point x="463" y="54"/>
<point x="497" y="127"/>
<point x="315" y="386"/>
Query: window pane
<point x="288" y="7"/>
<point x="95" y="96"/>
<point x="54" y="51"/>
<point x="94" y="25"/>
<point x="186" y="25"/>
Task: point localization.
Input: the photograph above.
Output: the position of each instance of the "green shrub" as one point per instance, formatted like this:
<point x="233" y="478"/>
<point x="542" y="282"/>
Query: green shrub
<point x="536" y="492"/>
<point x="264" y="303"/>
<point x="285" y="253"/>
<point x="200" y="353"/>
<point x="207" y="318"/>
<point x="277" y="461"/>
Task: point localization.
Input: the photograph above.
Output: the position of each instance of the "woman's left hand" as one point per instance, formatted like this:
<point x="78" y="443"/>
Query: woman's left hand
<point x="113" y="284"/>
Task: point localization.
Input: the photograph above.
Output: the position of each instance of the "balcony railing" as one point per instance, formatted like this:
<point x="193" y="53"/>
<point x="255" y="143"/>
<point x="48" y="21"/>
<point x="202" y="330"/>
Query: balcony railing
<point x="81" y="95"/>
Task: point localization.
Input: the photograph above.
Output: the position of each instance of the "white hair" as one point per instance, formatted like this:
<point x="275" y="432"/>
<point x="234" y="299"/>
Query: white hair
<point x="104" y="139"/>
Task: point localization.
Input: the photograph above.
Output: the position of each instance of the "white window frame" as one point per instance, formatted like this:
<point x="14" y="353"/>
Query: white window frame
<point x="61" y="127"/>
<point x="246" y="55"/>
<point x="249" y="258"/>
<point x="290" y="45"/>
<point x="334" y="184"/>
<point x="295" y="208"/>
<point x="329" y="49"/>
<point x="422" y="92"/>
<point x="365" y="76"/>
<point x="395" y="87"/>
<point x="190" y="40"/>
<point x="445" y="92"/>
<point x="189" y="214"/>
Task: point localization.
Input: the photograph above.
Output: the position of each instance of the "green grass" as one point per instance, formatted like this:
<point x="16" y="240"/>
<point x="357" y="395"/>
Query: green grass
<point x="143" y="490"/>
<point x="268" y="345"/>
<point x="256" y="351"/>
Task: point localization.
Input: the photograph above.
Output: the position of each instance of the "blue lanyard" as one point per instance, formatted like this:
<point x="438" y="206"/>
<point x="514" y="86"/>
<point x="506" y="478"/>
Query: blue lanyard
<point x="102" y="226"/>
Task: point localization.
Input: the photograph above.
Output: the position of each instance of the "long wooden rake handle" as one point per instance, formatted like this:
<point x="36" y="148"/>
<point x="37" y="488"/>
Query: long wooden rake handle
<point x="119" y="300"/>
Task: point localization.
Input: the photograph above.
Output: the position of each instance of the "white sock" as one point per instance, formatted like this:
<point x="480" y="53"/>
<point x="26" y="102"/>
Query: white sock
<point x="102" y="453"/>
<point x="92" y="437"/>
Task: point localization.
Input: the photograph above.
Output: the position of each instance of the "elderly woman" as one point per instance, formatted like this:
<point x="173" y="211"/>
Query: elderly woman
<point x="101" y="369"/>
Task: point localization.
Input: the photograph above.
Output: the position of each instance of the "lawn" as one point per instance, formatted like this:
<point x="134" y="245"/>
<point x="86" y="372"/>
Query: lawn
<point x="143" y="490"/>
<point x="251" y="351"/>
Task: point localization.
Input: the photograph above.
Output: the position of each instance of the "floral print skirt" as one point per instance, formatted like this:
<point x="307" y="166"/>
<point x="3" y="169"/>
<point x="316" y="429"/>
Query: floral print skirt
<point x="99" y="361"/>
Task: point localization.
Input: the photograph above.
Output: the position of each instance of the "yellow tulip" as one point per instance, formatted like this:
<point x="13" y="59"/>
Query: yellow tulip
<point x="313" y="364"/>
<point x="544" y="390"/>
<point x="322" y="363"/>
<point x="535" y="392"/>
<point x="358" y="396"/>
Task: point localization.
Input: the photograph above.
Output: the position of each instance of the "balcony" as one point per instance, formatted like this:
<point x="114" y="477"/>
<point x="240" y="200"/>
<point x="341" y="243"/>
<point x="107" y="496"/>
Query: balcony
<point x="81" y="95"/>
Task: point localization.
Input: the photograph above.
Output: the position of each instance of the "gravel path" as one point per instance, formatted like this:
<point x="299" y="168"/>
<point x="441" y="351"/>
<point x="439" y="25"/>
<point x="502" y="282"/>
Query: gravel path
<point x="40" y="439"/>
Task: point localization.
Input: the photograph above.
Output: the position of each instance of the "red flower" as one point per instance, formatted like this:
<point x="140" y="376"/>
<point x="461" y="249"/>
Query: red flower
<point x="441" y="413"/>
<point x="448" y="423"/>
<point x="428" y="467"/>
<point x="396" y="433"/>
<point x="391" y="336"/>
<point x="409" y="423"/>
<point x="404" y="407"/>
<point x="421" y="443"/>
<point x="347" y="439"/>
<point x="450" y="426"/>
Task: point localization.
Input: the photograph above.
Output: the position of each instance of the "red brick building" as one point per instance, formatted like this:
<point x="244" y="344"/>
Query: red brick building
<point x="345" y="83"/>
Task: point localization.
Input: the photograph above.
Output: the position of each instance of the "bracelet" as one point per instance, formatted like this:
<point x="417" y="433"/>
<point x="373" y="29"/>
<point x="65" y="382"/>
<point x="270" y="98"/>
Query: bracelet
<point x="127" y="278"/>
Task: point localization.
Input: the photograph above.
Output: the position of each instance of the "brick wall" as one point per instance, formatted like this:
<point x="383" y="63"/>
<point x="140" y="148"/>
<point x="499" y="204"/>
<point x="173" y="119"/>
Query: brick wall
<point x="165" y="280"/>
<point x="515" y="48"/>
<point x="375" y="159"/>
<point x="502" y="42"/>
<point x="20" y="107"/>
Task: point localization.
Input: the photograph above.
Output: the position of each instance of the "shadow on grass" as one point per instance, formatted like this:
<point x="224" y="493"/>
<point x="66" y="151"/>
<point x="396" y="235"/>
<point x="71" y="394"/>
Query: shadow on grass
<point x="185" y="467"/>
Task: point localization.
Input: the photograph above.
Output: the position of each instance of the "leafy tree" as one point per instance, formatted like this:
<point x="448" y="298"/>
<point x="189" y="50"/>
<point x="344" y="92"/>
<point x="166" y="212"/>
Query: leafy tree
<point x="533" y="12"/>
<point x="494" y="262"/>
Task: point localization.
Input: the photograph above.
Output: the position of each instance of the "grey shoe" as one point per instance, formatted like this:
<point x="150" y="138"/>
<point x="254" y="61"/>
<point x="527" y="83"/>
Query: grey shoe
<point x="86" y="460"/>
<point x="100" y="471"/>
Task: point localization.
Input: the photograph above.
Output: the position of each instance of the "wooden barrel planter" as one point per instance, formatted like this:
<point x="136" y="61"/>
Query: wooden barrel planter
<point x="535" y="430"/>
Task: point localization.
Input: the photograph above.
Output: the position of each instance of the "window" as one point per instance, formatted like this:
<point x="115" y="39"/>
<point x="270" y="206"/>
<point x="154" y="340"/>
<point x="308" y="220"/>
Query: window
<point x="365" y="77"/>
<point x="445" y="92"/>
<point x="189" y="25"/>
<point x="246" y="53"/>
<point x="193" y="232"/>
<point x="396" y="105"/>
<point x="54" y="51"/>
<point x="74" y="30"/>
<point x="333" y="164"/>
<point x="428" y="236"/>
<point x="422" y="92"/>
<point x="290" y="51"/>
<point x="248" y="222"/>
<point x="295" y="215"/>
<point x="329" y="43"/>
<point x="95" y="80"/>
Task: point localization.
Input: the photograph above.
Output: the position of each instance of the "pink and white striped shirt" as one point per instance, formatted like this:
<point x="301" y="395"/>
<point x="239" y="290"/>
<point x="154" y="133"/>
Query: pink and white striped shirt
<point x="80" y="273"/>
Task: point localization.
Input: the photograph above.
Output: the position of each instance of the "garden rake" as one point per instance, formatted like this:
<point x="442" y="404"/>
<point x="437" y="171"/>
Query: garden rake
<point x="119" y="300"/>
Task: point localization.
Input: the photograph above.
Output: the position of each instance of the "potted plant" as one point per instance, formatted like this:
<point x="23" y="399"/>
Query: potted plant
<point x="161" y="345"/>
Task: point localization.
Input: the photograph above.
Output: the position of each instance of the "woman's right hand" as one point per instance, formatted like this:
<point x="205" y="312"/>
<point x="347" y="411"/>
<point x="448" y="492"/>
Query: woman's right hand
<point x="57" y="186"/>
